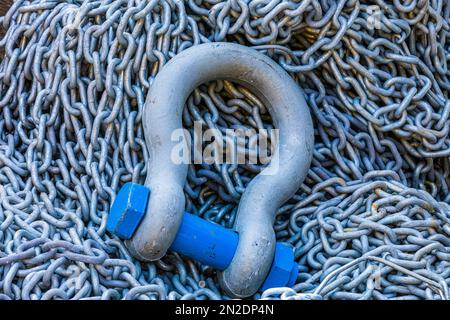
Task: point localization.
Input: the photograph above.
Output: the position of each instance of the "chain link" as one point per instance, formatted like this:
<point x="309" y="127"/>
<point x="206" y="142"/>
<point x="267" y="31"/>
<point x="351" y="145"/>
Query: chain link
<point x="371" y="221"/>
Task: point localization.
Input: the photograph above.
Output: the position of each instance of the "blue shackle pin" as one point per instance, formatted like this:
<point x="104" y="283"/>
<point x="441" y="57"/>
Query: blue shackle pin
<point x="199" y="239"/>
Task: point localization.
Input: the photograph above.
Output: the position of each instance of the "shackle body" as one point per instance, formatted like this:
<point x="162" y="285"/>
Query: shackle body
<point x="263" y="196"/>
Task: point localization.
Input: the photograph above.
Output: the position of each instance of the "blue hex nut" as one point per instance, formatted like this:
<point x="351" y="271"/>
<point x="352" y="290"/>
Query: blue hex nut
<point x="128" y="209"/>
<point x="284" y="269"/>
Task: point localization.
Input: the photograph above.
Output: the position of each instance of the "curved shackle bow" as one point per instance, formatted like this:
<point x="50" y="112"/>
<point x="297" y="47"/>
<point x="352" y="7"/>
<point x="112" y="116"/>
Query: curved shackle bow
<point x="265" y="193"/>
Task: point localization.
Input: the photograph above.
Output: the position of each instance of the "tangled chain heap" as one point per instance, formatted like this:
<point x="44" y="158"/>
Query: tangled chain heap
<point x="371" y="221"/>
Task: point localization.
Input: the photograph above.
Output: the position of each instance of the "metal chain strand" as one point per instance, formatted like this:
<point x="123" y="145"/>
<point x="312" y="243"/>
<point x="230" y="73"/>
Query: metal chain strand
<point x="371" y="221"/>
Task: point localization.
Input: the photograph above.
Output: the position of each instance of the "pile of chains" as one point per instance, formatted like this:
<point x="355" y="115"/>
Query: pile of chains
<point x="371" y="220"/>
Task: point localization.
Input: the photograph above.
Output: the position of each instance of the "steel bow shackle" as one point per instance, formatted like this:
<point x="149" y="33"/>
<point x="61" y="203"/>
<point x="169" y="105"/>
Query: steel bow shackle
<point x="264" y="194"/>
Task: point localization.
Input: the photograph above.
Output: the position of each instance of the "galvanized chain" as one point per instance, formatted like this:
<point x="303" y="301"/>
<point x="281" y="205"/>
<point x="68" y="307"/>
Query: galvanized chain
<point x="371" y="220"/>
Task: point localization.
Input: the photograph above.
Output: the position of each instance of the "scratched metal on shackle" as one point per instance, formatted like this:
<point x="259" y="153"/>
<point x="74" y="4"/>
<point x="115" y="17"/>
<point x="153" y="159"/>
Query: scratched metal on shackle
<point x="371" y="219"/>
